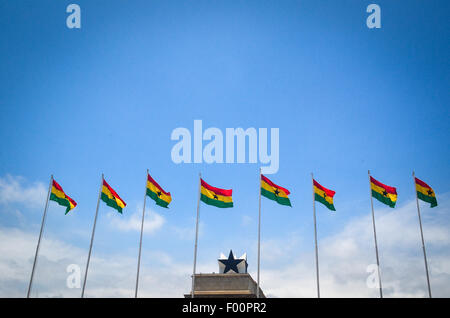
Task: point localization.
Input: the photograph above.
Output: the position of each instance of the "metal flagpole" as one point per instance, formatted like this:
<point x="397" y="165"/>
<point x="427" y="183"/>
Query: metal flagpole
<point x="315" y="236"/>
<point x="40" y="236"/>
<point x="196" y="233"/>
<point x="140" y="241"/>
<point x="92" y="238"/>
<point x="423" y="242"/>
<point x="259" y="234"/>
<point x="375" y="237"/>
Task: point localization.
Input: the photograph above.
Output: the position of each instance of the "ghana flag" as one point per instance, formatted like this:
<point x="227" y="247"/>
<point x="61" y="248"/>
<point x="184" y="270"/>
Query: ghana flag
<point x="59" y="196"/>
<point x="425" y="193"/>
<point x="383" y="193"/>
<point x="154" y="191"/>
<point x="220" y="198"/>
<point x="111" y="198"/>
<point x="274" y="192"/>
<point x="324" y="195"/>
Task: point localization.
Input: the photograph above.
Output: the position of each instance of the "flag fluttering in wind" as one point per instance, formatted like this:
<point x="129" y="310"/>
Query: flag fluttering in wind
<point x="162" y="198"/>
<point x="58" y="195"/>
<point x="111" y="198"/>
<point x="154" y="191"/>
<point x="210" y="195"/>
<point x="274" y="192"/>
<point x="383" y="193"/>
<point x="425" y="192"/>
<point x="220" y="198"/>
<point x="324" y="195"/>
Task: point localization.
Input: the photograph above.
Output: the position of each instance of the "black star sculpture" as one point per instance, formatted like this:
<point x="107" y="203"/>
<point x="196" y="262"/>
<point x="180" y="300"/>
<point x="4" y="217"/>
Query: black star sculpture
<point x="231" y="263"/>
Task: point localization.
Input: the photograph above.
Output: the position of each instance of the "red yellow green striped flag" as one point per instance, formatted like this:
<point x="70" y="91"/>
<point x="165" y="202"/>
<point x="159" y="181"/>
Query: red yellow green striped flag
<point x="324" y="195"/>
<point x="383" y="193"/>
<point x="111" y="198"/>
<point x="274" y="192"/>
<point x="154" y="191"/>
<point x="425" y="193"/>
<point x="220" y="198"/>
<point x="58" y="195"/>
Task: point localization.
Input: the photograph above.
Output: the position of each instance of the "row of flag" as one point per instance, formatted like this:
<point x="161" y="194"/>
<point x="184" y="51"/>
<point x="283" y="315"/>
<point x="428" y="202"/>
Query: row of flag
<point x="110" y="196"/>
<point x="222" y="198"/>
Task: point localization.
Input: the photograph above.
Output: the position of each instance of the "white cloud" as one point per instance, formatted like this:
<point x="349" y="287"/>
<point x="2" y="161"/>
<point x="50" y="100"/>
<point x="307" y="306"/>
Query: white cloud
<point x="16" y="257"/>
<point x="13" y="190"/>
<point x="152" y="222"/>
<point x="185" y="233"/>
<point x="279" y="248"/>
<point x="109" y="275"/>
<point x="247" y="220"/>
<point x="188" y="233"/>
<point x="343" y="257"/>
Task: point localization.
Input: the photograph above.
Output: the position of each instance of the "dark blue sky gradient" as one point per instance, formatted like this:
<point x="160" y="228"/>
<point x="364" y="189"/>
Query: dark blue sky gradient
<point x="106" y="98"/>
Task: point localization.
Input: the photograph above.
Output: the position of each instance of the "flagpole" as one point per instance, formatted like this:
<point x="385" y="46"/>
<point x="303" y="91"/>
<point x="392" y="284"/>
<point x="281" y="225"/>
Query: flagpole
<point x="375" y="237"/>
<point x="92" y="238"/>
<point x="421" y="234"/>
<point x="140" y="241"/>
<point x="196" y="233"/>
<point x="259" y="234"/>
<point x="40" y="236"/>
<point x="315" y="236"/>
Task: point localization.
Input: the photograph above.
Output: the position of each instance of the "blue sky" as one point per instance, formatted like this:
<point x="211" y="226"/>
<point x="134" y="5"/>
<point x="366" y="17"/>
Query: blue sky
<point x="105" y="99"/>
